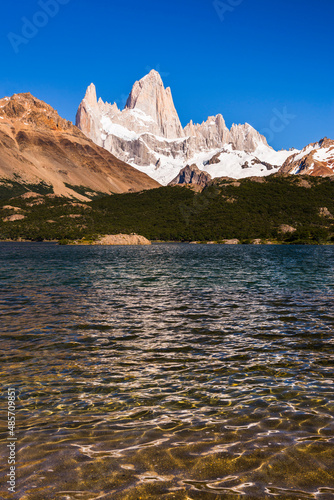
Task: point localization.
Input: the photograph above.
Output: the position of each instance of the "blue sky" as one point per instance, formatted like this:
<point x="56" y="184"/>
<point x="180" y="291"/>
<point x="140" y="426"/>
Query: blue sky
<point x="247" y="59"/>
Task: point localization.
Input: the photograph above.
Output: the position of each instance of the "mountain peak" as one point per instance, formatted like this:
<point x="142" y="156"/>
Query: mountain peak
<point x="153" y="75"/>
<point x="315" y="159"/>
<point x="150" y="96"/>
<point x="246" y="138"/>
<point x="91" y="97"/>
<point x="31" y="111"/>
<point x="148" y="133"/>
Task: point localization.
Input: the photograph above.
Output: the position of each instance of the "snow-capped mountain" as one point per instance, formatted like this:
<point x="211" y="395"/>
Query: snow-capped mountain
<point x="148" y="135"/>
<point x="315" y="159"/>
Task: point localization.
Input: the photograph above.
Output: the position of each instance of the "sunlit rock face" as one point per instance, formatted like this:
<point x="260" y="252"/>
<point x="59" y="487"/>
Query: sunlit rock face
<point x="37" y="145"/>
<point x="315" y="159"/>
<point x="148" y="134"/>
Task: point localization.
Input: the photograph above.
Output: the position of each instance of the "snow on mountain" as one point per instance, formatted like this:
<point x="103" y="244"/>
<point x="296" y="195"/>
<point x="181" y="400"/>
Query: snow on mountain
<point x="314" y="159"/>
<point x="148" y="135"/>
<point x="239" y="164"/>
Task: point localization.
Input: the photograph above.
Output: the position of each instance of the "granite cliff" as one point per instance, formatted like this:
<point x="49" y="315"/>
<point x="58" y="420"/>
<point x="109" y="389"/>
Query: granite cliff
<point x="148" y="134"/>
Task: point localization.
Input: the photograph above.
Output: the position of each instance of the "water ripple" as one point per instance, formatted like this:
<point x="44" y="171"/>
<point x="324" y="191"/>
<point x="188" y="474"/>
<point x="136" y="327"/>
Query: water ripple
<point x="175" y="371"/>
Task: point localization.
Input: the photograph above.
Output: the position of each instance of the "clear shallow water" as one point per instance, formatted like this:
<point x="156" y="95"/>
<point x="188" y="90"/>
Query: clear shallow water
<point x="171" y="371"/>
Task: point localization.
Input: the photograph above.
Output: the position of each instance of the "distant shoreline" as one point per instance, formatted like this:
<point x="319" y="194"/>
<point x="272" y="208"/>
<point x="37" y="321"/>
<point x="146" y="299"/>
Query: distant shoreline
<point x="155" y="243"/>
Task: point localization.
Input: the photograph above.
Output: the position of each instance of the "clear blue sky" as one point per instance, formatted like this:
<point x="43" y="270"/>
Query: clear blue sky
<point x="258" y="56"/>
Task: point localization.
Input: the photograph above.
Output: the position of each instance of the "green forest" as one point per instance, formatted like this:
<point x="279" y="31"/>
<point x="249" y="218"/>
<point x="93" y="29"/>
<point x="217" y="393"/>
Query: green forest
<point x="245" y="210"/>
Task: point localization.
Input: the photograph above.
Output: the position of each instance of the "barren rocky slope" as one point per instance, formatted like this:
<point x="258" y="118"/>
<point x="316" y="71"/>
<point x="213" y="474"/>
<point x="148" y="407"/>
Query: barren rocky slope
<point x="37" y="145"/>
<point x="316" y="159"/>
<point x="192" y="175"/>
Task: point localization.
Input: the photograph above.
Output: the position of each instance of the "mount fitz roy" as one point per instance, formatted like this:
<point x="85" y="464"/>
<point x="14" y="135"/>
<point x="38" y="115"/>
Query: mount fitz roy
<point x="148" y="135"/>
<point x="138" y="148"/>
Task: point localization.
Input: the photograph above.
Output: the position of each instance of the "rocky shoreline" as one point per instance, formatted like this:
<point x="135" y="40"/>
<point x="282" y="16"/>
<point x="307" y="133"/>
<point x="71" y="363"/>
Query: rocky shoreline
<point x="131" y="242"/>
<point x="113" y="240"/>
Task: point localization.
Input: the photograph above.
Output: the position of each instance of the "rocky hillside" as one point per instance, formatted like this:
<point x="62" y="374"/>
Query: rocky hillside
<point x="38" y="146"/>
<point x="148" y="134"/>
<point x="316" y="159"/>
<point x="191" y="175"/>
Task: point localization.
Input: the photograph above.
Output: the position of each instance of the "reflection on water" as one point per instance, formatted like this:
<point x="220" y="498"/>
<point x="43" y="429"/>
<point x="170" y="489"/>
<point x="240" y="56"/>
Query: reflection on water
<point x="173" y="372"/>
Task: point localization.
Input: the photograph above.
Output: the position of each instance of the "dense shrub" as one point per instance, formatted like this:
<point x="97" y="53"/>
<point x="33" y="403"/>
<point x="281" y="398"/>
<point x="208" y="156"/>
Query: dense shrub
<point x="222" y="211"/>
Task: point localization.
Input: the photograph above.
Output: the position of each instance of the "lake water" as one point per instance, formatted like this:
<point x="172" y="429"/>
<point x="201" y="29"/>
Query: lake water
<point x="170" y="371"/>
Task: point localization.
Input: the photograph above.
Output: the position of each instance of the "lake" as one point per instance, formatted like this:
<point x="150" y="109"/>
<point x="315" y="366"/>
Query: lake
<point x="172" y="371"/>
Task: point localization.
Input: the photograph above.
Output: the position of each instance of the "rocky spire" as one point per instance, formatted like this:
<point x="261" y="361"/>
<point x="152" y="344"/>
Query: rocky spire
<point x="85" y="119"/>
<point x="212" y="133"/>
<point x="91" y="97"/>
<point x="148" y="133"/>
<point x="246" y="138"/>
<point x="150" y="96"/>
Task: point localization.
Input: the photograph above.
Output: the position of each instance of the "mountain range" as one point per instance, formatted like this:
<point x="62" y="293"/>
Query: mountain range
<point x="148" y="135"/>
<point x="140" y="147"/>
